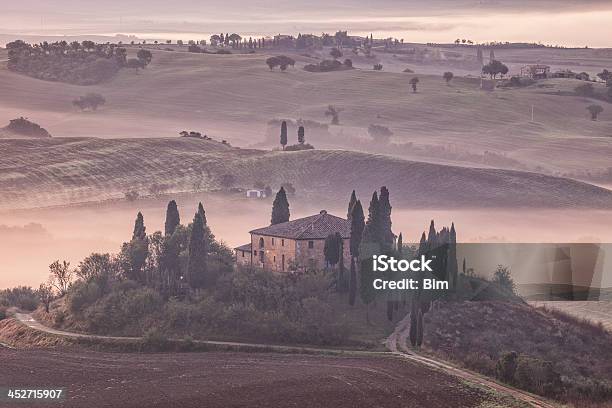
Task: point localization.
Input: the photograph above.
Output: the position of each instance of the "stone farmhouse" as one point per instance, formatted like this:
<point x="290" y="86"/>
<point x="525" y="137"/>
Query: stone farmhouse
<point x="294" y="245"/>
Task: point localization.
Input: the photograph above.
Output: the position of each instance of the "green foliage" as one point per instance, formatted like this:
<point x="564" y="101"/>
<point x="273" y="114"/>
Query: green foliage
<point x="283" y="134"/>
<point x="299" y="147"/>
<point x="380" y="134"/>
<point x="357" y="227"/>
<point x="413" y="83"/>
<point x="23" y="297"/>
<point x="3" y="313"/>
<point x="595" y="110"/>
<point x="173" y="218"/>
<point x="448" y="76"/>
<point x="197" y="268"/>
<point x="503" y="278"/>
<point x="495" y="68"/>
<point x="280" y="208"/>
<point x="82" y="64"/>
<point x="82" y="295"/>
<point x="506" y="367"/>
<point x="301" y="135"/>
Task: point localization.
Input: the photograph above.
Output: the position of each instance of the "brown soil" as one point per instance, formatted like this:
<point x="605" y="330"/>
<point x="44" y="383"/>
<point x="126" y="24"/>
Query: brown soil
<point x="216" y="379"/>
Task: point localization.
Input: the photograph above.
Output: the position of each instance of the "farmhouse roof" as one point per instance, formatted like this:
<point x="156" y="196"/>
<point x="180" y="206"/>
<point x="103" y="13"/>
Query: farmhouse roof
<point x="245" y="247"/>
<point x="317" y="226"/>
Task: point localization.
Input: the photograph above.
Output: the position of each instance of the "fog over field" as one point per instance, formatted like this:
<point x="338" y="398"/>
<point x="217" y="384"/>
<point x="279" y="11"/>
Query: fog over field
<point x="572" y="23"/>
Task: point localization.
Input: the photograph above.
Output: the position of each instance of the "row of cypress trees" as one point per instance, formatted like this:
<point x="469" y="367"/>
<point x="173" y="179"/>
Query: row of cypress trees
<point x="172" y="262"/>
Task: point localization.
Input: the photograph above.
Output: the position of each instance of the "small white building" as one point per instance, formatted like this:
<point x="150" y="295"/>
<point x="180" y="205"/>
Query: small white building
<point x="255" y="193"/>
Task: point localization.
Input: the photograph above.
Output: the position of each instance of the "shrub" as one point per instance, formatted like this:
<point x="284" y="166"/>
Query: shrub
<point x="506" y="367"/>
<point x="380" y="133"/>
<point x="298" y="147"/>
<point x="82" y="295"/>
<point x="327" y="66"/>
<point x="25" y="127"/>
<point x="378" y="67"/>
<point x="22" y="297"/>
<point x="537" y="376"/>
<point x="3" y="313"/>
<point x="89" y="101"/>
<point x="155" y="339"/>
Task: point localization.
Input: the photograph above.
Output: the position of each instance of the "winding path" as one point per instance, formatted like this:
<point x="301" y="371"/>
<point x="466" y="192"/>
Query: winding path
<point x="396" y="343"/>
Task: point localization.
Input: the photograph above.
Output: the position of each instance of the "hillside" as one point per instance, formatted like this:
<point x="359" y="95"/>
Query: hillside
<point x="234" y="96"/>
<point x="36" y="173"/>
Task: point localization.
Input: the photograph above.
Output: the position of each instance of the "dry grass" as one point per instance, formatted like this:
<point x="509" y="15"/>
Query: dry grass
<point x="233" y="97"/>
<point x="62" y="171"/>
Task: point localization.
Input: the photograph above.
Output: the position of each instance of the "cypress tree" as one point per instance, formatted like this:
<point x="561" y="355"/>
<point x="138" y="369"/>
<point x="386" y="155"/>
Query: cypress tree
<point x="384" y="206"/>
<point x="352" y="202"/>
<point x="330" y="250"/>
<point x="492" y="55"/>
<point x="341" y="278"/>
<point x="400" y="244"/>
<point x="432" y="236"/>
<point x="357" y="227"/>
<point x="283" y="134"/>
<point x="139" y="227"/>
<point x="202" y="213"/>
<point x="280" y="208"/>
<point x="197" y="256"/>
<point x="173" y="218"/>
<point x="372" y="232"/>
<point x="301" y="135"/>
<point x="453" y="267"/>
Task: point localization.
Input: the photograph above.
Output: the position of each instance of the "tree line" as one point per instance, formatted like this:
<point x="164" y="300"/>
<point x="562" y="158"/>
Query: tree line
<point x="84" y="63"/>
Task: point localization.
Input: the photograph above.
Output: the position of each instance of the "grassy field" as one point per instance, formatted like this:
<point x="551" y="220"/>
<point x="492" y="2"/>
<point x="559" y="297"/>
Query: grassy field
<point x="233" y="97"/>
<point x="38" y="173"/>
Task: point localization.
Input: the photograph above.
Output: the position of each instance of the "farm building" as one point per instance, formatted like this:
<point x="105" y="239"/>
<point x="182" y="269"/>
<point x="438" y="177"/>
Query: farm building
<point x="294" y="245"/>
<point x="255" y="193"/>
<point x="537" y="71"/>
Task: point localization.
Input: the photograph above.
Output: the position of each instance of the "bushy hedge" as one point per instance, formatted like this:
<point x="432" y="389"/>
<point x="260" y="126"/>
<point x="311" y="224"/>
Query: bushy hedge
<point x="23" y="297"/>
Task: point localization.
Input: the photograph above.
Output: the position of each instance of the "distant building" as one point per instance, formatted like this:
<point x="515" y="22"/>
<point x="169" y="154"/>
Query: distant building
<point x="536" y="71"/>
<point x="294" y="245"/>
<point x="256" y="193"/>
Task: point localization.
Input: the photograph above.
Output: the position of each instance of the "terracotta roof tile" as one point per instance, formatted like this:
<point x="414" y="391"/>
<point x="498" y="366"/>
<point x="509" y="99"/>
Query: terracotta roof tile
<point x="314" y="227"/>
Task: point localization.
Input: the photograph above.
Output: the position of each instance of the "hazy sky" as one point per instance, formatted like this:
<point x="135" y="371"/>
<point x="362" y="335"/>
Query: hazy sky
<point x="573" y="23"/>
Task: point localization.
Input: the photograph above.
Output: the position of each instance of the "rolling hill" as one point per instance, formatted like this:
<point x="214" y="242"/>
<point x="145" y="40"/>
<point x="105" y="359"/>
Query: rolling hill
<point x="234" y="96"/>
<point x="58" y="171"/>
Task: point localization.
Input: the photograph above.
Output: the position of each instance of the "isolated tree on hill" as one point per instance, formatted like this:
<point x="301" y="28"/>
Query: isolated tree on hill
<point x="197" y="258"/>
<point x="495" y="68"/>
<point x="413" y="82"/>
<point x="280" y="208"/>
<point x="45" y="294"/>
<point x="144" y="56"/>
<point x="334" y="113"/>
<point x="595" y="110"/>
<point x="351" y="204"/>
<point x="61" y="276"/>
<point x="173" y="218"/>
<point x="448" y="76"/>
<point x="503" y="278"/>
<point x="301" y="135"/>
<point x="283" y="134"/>
<point x="357" y="227"/>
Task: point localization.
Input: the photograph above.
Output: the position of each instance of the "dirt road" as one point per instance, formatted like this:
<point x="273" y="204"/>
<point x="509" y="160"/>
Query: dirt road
<point x="429" y="376"/>
<point x="398" y="344"/>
